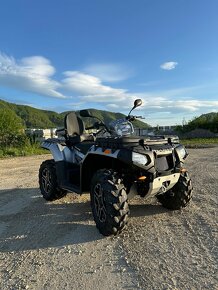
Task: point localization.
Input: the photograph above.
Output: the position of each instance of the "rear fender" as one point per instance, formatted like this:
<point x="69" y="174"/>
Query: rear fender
<point x="59" y="152"/>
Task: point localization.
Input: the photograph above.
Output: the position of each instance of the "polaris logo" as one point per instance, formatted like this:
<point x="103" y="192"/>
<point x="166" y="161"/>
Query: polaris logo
<point x="163" y="151"/>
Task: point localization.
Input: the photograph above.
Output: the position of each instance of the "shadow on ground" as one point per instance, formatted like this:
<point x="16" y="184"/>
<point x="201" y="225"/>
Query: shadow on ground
<point x="28" y="222"/>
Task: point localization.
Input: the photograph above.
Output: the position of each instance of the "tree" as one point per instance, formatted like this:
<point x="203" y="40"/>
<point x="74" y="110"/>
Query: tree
<point x="206" y="121"/>
<point x="11" y="127"/>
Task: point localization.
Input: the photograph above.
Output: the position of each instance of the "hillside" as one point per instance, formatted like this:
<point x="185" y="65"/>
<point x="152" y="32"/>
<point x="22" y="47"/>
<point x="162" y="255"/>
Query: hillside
<point x="206" y="121"/>
<point x="36" y="118"/>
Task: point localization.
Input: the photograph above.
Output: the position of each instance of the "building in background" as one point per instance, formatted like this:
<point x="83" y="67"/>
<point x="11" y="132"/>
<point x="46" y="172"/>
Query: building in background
<point x="38" y="135"/>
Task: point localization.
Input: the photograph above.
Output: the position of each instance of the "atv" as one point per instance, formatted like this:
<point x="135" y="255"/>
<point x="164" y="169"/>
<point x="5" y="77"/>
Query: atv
<point x="114" y="165"/>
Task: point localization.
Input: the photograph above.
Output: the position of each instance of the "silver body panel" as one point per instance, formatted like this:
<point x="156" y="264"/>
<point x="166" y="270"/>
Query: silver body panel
<point x="62" y="152"/>
<point x="158" y="185"/>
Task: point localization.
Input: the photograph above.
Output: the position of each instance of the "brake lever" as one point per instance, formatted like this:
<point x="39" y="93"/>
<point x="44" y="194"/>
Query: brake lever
<point x="139" y="117"/>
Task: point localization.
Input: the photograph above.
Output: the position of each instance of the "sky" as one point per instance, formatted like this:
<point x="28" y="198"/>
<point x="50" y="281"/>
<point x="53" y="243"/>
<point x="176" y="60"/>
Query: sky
<point x="77" y="54"/>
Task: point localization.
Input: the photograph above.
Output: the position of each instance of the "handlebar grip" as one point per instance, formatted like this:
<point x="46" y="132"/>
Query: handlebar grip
<point x="132" y="118"/>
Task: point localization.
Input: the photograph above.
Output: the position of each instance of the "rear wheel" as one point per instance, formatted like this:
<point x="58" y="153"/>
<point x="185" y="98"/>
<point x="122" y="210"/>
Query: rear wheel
<point x="180" y="195"/>
<point x="109" y="202"/>
<point x="48" y="181"/>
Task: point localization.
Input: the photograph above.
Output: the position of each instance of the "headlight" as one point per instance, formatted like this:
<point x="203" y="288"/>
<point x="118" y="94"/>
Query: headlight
<point x="139" y="158"/>
<point x="182" y="152"/>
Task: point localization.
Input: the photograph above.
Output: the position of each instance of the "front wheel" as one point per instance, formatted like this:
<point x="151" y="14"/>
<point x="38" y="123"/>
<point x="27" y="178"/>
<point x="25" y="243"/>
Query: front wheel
<point x="179" y="195"/>
<point x="109" y="202"/>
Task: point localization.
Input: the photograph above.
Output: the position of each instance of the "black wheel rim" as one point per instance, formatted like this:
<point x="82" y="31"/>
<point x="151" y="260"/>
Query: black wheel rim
<point x="99" y="203"/>
<point x="46" y="180"/>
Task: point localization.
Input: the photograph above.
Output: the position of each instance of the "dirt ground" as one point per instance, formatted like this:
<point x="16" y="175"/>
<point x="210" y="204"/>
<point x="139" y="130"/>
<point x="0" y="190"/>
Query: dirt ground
<point x="55" y="245"/>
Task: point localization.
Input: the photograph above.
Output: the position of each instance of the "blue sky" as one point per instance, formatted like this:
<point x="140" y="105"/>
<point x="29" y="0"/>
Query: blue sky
<point x="76" y="54"/>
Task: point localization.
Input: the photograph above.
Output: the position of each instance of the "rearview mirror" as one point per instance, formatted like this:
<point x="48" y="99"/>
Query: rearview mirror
<point x="86" y="113"/>
<point x="137" y="103"/>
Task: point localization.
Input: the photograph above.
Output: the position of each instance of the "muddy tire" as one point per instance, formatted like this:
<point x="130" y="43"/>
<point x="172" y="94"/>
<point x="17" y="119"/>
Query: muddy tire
<point x="48" y="181"/>
<point x="109" y="202"/>
<point x="179" y="196"/>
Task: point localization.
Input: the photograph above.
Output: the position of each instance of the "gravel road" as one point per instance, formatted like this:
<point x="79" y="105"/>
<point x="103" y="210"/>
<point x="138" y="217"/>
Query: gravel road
<point x="55" y="245"/>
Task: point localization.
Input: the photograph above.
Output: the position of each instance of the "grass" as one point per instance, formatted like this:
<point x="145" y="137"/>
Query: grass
<point x="29" y="150"/>
<point x="200" y="142"/>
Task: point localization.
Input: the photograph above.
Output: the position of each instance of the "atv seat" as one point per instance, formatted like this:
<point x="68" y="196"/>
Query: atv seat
<point x="74" y="130"/>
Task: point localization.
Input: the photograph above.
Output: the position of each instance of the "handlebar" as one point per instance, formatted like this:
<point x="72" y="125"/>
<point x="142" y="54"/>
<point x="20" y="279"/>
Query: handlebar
<point x="132" y="118"/>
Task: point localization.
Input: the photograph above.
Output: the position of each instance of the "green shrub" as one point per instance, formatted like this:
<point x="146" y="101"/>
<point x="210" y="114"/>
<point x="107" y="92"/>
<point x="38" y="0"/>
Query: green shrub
<point x="26" y="150"/>
<point x="200" y="142"/>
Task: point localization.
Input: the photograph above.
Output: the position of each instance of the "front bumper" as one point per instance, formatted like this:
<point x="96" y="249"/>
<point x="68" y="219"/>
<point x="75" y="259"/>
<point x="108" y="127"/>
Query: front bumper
<point x="162" y="184"/>
<point x="158" y="185"/>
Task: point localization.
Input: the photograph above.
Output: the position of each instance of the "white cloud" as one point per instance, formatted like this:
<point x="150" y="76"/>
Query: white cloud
<point x="38" y="65"/>
<point x="90" y="87"/>
<point x="113" y="106"/>
<point x="108" y="72"/>
<point x="156" y="106"/>
<point x="31" y="74"/>
<point x="171" y="112"/>
<point x="169" y="65"/>
<point x="35" y="74"/>
<point x="187" y="105"/>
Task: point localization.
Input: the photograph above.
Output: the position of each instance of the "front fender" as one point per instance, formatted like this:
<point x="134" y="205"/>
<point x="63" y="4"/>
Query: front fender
<point x="93" y="162"/>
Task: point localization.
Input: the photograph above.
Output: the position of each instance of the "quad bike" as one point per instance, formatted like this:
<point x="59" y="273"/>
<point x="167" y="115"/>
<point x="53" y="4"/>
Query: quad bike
<point x="114" y="165"/>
